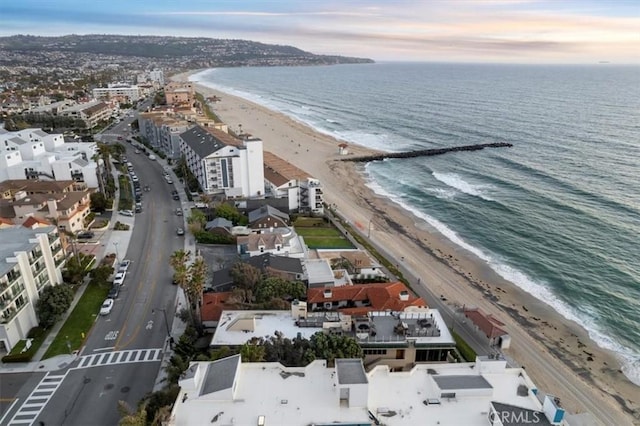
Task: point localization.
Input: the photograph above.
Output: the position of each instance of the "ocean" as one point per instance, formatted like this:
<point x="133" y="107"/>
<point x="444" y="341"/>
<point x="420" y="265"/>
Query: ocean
<point x="558" y="214"/>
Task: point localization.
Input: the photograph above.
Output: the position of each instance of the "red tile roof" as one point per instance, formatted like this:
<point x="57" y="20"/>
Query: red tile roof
<point x="34" y="221"/>
<point x="213" y="304"/>
<point x="489" y="325"/>
<point x="381" y="296"/>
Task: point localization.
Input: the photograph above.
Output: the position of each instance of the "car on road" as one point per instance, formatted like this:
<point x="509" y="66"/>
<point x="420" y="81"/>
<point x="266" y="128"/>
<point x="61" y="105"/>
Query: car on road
<point x="176" y="197"/>
<point x="137" y="151"/>
<point x="178" y="212"/>
<point x="124" y="265"/>
<point x="147" y="188"/>
<point x="119" y="279"/>
<point x="180" y="231"/>
<point x="106" y="307"/>
<point x="86" y="235"/>
<point x="126" y="213"/>
<point x="169" y="181"/>
<point x="114" y="292"/>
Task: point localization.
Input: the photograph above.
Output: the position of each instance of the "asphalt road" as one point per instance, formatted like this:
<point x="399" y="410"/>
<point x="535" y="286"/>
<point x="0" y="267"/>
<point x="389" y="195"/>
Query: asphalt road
<point x="140" y="319"/>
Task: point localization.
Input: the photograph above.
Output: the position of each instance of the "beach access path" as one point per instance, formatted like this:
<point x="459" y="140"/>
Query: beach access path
<point x="554" y="351"/>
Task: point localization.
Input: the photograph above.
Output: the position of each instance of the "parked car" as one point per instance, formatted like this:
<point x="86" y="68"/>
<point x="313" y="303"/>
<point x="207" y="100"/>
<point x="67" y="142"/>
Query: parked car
<point x="178" y="212"/>
<point x="87" y="235"/>
<point x="114" y="292"/>
<point x="126" y="213"/>
<point x="106" y="307"/>
<point x="169" y="181"/>
<point x="180" y="231"/>
<point x="119" y="279"/>
<point x="138" y="207"/>
<point x="176" y="197"/>
<point x="124" y="265"/>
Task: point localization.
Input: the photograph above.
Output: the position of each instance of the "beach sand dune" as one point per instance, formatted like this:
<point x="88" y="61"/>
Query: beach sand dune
<point x="557" y="353"/>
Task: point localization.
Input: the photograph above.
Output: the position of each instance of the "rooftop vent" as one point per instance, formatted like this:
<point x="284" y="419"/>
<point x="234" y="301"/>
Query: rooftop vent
<point x="328" y="293"/>
<point x="404" y="295"/>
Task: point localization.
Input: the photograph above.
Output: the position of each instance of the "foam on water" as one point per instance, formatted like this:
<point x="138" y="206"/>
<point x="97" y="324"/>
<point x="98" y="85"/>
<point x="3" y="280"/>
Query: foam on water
<point x="630" y="360"/>
<point x="455" y="181"/>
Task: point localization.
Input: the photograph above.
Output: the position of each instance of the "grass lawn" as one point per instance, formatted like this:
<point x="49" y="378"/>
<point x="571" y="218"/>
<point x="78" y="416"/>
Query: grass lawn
<point x="310" y="221"/>
<point x="80" y="321"/>
<point x="318" y="232"/>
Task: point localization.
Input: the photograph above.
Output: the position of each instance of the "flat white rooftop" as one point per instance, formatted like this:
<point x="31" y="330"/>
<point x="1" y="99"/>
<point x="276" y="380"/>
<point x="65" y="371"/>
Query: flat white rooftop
<point x="317" y="395"/>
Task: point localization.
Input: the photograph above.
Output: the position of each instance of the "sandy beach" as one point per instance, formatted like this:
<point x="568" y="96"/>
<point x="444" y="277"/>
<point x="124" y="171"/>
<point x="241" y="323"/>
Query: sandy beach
<point x="558" y="354"/>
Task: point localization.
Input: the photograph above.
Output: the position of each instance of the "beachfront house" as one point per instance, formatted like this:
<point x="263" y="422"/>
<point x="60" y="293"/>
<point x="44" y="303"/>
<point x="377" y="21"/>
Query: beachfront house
<point x="284" y="180"/>
<point x="223" y="164"/>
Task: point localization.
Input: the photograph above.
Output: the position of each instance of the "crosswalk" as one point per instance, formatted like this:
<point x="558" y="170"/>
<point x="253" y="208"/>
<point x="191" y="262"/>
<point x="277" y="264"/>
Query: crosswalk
<point x="35" y="402"/>
<point x="33" y="405"/>
<point x="119" y="357"/>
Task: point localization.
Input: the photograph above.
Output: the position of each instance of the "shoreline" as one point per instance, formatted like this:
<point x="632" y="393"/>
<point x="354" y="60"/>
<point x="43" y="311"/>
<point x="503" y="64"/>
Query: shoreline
<point x="558" y="353"/>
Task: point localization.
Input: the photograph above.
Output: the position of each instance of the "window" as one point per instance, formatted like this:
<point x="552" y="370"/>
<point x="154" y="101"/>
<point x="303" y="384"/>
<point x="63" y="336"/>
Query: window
<point x="374" y="351"/>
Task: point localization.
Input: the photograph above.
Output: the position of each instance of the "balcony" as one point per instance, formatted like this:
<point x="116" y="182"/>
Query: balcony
<point x="38" y="268"/>
<point x="13" y="276"/>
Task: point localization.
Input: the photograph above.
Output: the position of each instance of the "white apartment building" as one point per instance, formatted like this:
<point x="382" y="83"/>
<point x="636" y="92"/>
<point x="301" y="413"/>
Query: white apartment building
<point x="284" y="180"/>
<point x="33" y="153"/>
<point x="30" y="260"/>
<point x="224" y="164"/>
<point x="486" y="392"/>
<point x="122" y="91"/>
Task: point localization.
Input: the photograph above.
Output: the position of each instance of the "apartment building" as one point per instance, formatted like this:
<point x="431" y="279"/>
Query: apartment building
<point x="91" y="113"/>
<point x="223" y="164"/>
<point x="30" y="260"/>
<point x="35" y="154"/>
<point x="162" y="130"/>
<point x="67" y="203"/>
<point x="480" y="393"/>
<point x="178" y="93"/>
<point x="284" y="180"/>
<point x="123" y="92"/>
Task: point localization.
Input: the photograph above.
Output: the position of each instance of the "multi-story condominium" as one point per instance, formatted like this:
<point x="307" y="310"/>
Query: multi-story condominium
<point x="179" y="93"/>
<point x="68" y="209"/>
<point x="481" y="393"/>
<point x="162" y="130"/>
<point x="223" y="164"/>
<point x="124" y="92"/>
<point x="397" y="339"/>
<point x="284" y="180"/>
<point x="154" y="76"/>
<point x="35" y="154"/>
<point x="30" y="260"/>
<point x="91" y="113"/>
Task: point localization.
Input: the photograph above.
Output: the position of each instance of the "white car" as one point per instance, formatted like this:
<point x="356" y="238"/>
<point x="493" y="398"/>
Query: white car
<point x="106" y="307"/>
<point x="126" y="213"/>
<point x="124" y="265"/>
<point x="119" y="279"/>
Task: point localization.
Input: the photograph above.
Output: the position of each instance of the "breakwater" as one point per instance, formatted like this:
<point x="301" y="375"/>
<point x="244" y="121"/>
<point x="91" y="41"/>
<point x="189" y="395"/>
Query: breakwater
<point x="427" y="152"/>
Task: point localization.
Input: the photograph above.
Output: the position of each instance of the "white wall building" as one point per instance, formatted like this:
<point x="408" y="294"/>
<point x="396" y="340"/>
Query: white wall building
<point x="163" y="131"/>
<point x="30" y="260"/>
<point x="117" y="90"/>
<point x="224" y="164"/>
<point x="33" y="153"/>
<point x="283" y="179"/>
<point x="486" y="392"/>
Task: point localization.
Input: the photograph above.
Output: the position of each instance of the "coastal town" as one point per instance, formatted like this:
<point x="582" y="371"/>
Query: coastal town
<point x="229" y="260"/>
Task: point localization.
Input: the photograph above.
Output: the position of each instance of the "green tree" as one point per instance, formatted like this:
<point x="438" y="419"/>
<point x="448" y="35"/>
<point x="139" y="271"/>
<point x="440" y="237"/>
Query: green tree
<point x="197" y="221"/>
<point x="100" y="274"/>
<point x="332" y="346"/>
<point x="276" y="287"/>
<point x="98" y="202"/>
<point x="246" y="278"/>
<point x="231" y="213"/>
<point x="252" y="352"/>
<point x="53" y="303"/>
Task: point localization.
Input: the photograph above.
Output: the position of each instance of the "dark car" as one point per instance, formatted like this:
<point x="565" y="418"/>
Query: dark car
<point x="113" y="293"/>
<point x="176" y="197"/>
<point x="87" y="235"/>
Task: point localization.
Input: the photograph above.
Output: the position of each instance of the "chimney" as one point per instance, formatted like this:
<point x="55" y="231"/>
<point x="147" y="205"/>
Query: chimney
<point x="328" y="293"/>
<point x="52" y="205"/>
<point x="404" y="296"/>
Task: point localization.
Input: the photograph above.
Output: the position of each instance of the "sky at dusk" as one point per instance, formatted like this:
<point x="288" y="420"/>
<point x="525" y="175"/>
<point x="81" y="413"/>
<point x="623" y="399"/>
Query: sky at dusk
<point x="512" y="31"/>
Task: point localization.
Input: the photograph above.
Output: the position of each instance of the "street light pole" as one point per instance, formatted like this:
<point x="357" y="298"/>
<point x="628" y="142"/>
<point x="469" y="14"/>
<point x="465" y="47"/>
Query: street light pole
<point x="166" y="322"/>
